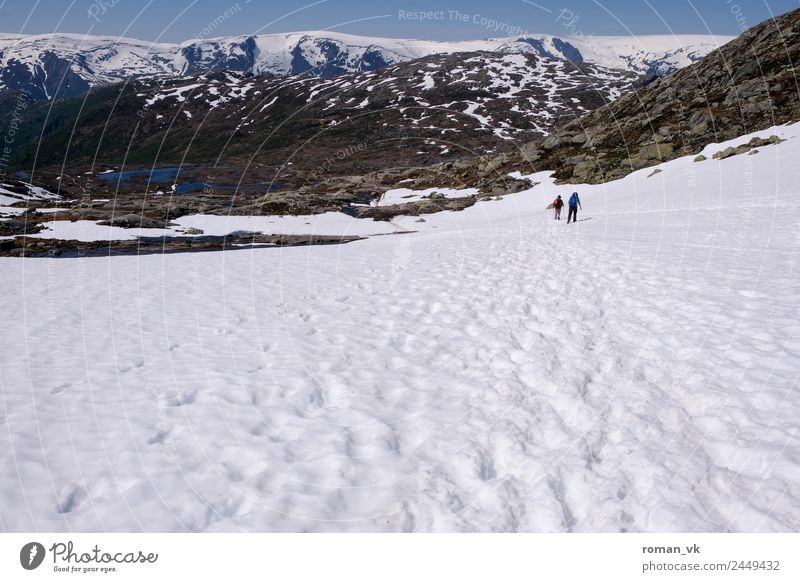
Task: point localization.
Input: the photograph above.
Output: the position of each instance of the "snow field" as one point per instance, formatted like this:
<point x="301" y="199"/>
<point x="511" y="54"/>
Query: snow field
<point x="495" y="371"/>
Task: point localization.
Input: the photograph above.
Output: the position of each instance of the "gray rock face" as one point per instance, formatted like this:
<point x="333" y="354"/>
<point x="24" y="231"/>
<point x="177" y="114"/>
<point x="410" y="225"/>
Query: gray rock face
<point x="656" y="151"/>
<point x="216" y="56"/>
<point x="52" y="78"/>
<point x="570" y="52"/>
<point x="584" y="170"/>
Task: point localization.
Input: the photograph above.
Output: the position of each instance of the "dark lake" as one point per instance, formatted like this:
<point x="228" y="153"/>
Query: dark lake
<point x="155" y="175"/>
<point x="169" y="175"/>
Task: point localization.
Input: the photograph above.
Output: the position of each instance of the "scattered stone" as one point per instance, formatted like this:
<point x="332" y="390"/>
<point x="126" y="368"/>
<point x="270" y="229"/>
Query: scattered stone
<point x="654" y="172"/>
<point x="656" y="151"/>
<point x="729" y="152"/>
<point x="551" y="142"/>
<point x="757" y="141"/>
<point x="578" y="138"/>
<point x="699" y="129"/>
<point x="135" y="221"/>
<point x="750" y="145"/>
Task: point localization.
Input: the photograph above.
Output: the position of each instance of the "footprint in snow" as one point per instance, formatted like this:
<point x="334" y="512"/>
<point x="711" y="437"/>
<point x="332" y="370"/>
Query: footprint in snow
<point x="72" y="497"/>
<point x="181" y="398"/>
<point x="233" y="473"/>
<point x="486" y="470"/>
<point x="160" y="437"/>
<point x="60" y="388"/>
<point x="137" y="364"/>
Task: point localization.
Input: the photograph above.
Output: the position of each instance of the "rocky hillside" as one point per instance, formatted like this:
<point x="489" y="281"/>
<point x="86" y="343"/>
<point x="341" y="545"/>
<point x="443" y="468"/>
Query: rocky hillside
<point x="749" y="84"/>
<point x="411" y="114"/>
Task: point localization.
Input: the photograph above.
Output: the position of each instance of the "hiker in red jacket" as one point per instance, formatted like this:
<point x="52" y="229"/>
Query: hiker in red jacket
<point x="558" y="203"/>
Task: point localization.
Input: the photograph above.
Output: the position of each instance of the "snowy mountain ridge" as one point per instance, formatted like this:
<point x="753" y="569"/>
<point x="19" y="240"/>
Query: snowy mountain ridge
<point x="415" y="113"/>
<point x="69" y="64"/>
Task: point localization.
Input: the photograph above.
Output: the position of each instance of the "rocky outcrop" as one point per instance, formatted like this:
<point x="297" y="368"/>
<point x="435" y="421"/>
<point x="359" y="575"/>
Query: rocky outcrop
<point x="50" y="248"/>
<point x="135" y="221"/>
<point x="745" y="148"/>
<point x="52" y="78"/>
<point x="429" y="206"/>
<point x="747" y="85"/>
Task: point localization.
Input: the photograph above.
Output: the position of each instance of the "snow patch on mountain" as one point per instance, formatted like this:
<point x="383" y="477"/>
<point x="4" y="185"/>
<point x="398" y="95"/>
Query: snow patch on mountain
<point x="22" y="191"/>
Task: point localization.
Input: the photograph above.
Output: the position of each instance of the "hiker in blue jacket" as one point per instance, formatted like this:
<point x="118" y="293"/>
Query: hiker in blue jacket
<point x="574" y="204"/>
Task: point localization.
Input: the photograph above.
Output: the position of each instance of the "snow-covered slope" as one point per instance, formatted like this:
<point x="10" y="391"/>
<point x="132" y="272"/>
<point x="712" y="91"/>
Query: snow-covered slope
<point x="350" y="52"/>
<point x="494" y="371"/>
<point x="22" y="191"/>
<point x="656" y="54"/>
<point x="67" y="64"/>
<point x="428" y="110"/>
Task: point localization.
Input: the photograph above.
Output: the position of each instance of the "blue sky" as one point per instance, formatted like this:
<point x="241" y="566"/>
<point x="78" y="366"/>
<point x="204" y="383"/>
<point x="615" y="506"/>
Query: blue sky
<point x="175" y="20"/>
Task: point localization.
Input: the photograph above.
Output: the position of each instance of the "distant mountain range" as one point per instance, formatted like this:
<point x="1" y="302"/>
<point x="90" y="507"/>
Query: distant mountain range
<point x="413" y="113"/>
<point x="62" y="65"/>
